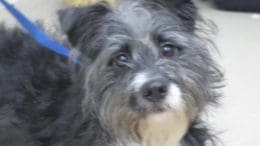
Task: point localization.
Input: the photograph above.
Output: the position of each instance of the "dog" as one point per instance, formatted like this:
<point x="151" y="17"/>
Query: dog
<point x="146" y="77"/>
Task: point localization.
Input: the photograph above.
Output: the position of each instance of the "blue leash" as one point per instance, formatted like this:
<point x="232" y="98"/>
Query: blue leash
<point x="36" y="33"/>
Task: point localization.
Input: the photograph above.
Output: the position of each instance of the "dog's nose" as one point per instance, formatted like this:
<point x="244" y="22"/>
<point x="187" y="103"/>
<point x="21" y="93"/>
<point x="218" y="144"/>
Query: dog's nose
<point x="155" y="91"/>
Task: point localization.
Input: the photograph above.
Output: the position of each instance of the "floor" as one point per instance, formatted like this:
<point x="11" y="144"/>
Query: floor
<point x="238" y="40"/>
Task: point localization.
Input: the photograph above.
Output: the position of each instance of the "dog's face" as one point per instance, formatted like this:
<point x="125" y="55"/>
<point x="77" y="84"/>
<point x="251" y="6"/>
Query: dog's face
<point x="149" y="74"/>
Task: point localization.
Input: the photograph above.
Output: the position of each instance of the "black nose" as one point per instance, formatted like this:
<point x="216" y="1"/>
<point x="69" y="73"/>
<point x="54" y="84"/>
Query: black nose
<point x="155" y="91"/>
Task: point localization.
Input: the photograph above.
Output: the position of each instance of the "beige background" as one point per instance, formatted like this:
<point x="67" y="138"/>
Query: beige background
<point x="238" y="39"/>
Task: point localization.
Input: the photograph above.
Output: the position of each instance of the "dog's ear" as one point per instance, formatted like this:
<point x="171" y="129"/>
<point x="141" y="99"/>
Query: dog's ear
<point x="184" y="9"/>
<point x="80" y="21"/>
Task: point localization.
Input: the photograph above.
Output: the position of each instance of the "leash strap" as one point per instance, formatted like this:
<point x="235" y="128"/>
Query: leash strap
<point x="36" y="33"/>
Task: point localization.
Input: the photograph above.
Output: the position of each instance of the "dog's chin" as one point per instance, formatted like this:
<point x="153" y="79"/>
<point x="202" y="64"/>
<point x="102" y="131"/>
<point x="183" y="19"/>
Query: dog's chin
<point x="164" y="126"/>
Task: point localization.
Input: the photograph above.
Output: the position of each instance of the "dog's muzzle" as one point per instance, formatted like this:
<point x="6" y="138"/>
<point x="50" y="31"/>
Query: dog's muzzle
<point x="157" y="90"/>
<point x="159" y="127"/>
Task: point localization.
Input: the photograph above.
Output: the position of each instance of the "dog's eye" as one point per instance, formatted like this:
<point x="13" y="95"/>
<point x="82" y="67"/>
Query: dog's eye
<point x="169" y="50"/>
<point x="121" y="59"/>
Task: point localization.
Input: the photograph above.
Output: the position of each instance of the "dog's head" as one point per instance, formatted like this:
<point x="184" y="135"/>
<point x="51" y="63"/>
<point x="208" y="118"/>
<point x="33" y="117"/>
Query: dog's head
<point x="149" y="73"/>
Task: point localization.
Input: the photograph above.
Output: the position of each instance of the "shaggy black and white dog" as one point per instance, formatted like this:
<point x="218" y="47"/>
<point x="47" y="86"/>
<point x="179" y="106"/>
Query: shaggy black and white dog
<point x="145" y="78"/>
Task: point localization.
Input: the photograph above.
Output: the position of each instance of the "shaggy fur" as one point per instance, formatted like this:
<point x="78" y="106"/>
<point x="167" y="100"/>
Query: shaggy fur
<point x="46" y="101"/>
